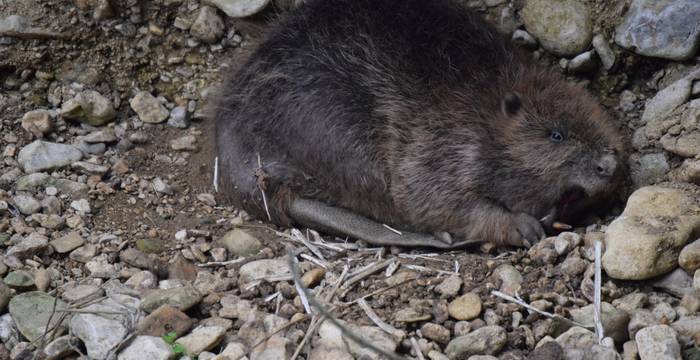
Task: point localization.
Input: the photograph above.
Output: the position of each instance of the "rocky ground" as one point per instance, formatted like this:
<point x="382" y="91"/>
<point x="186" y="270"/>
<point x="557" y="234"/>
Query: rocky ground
<point x="113" y="243"/>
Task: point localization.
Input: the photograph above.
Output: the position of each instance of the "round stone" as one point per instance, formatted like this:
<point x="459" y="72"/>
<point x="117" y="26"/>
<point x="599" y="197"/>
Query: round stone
<point x="465" y="307"/>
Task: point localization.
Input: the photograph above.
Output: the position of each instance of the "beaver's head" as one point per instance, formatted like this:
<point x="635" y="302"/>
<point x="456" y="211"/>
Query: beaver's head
<point x="562" y="153"/>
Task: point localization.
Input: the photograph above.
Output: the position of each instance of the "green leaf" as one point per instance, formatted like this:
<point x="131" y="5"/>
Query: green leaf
<point x="169" y="337"/>
<point x="179" y="349"/>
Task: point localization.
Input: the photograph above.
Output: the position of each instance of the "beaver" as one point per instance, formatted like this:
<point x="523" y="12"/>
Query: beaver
<point x="396" y="120"/>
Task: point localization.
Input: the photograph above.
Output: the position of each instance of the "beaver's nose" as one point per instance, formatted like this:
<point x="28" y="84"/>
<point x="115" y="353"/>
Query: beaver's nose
<point x="607" y="165"/>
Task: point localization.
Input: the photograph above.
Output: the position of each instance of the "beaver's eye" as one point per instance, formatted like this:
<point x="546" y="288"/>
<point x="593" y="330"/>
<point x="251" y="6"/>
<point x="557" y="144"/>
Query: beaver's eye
<point x="556" y="136"/>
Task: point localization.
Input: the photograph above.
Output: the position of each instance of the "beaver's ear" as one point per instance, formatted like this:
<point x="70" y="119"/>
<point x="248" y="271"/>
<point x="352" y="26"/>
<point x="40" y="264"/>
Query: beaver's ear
<point x="510" y="105"/>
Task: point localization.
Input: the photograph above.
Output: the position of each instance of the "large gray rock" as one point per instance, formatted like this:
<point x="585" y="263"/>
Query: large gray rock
<point x="30" y="246"/>
<point x="90" y="107"/>
<point x="33" y="181"/>
<point x="686" y="145"/>
<point x="239" y="8"/>
<point x="61" y="347"/>
<point x="240" y="243"/>
<point x="689" y="258"/>
<point x="26" y="204"/>
<point x="576" y="339"/>
<point x="67" y="243"/>
<point x="43" y="155"/>
<point x="202" y="338"/>
<point x="37" y="122"/>
<point x="646" y="239"/>
<point x="331" y="334"/>
<point x="688" y="327"/>
<point x="19" y="280"/>
<point x="658" y="108"/>
<point x="268" y="269"/>
<point x="563" y="27"/>
<point x="661" y="28"/>
<point x="648" y="169"/>
<point x="147" y="347"/>
<point x="101" y="327"/>
<point x="614" y="321"/>
<point x="148" y="108"/>
<point x="182" y="298"/>
<point x="658" y="342"/>
<point x="208" y="26"/>
<point x="487" y="340"/>
<point x="31" y="312"/>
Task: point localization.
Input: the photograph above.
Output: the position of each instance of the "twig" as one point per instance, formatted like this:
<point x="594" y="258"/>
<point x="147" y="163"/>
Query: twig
<point x="299" y="236"/>
<point x="298" y="285"/>
<point x="221" y="263"/>
<point x="216" y="174"/>
<point x="427" y="269"/>
<point x="271" y="297"/>
<point x="366" y="272"/>
<point x="48" y="323"/>
<point x="346" y="332"/>
<point x="391" y="269"/>
<point x="323" y="264"/>
<point x="262" y="191"/>
<point x="392" y="229"/>
<point x="271" y="334"/>
<point x="532" y="308"/>
<point x="34" y="34"/>
<point x="416" y="349"/>
<point x="329" y="246"/>
<point x="398" y="334"/>
<point x="379" y="291"/>
<point x="93" y="312"/>
<point x="316" y="321"/>
<point x="429" y="257"/>
<point x="596" y="294"/>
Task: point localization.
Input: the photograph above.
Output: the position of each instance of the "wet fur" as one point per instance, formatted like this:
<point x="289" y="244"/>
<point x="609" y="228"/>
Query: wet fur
<point x="394" y="109"/>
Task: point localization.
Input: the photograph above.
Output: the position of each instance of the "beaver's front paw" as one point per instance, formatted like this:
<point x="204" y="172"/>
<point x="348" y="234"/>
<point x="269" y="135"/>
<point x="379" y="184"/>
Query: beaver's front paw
<point x="525" y="231"/>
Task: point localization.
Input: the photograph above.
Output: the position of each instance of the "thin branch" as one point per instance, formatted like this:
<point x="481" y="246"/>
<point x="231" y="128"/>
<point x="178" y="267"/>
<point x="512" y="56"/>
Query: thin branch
<point x="596" y="294"/>
<point x="416" y="349"/>
<point x="216" y="174"/>
<point x="48" y="323"/>
<point x="299" y="236"/>
<point x="346" y="332"/>
<point x="221" y="263"/>
<point x="532" y="308"/>
<point x="271" y="334"/>
<point x="427" y="269"/>
<point x="366" y="272"/>
<point x="316" y="320"/>
<point x="262" y="191"/>
<point x="392" y="229"/>
<point x="398" y="334"/>
<point x="34" y="34"/>
<point x="298" y="285"/>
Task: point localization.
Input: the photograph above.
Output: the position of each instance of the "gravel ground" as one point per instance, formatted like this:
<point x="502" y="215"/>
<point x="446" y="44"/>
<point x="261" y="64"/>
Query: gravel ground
<point x="114" y="243"/>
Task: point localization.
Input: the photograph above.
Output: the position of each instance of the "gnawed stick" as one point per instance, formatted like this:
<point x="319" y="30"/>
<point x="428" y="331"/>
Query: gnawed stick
<point x="532" y="308"/>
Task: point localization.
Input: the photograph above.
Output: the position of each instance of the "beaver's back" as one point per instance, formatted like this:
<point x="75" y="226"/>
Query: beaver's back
<point x="333" y="86"/>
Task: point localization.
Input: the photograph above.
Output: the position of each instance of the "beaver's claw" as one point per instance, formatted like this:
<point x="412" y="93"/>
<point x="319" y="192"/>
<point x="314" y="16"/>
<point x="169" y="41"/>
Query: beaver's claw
<point x="526" y="231"/>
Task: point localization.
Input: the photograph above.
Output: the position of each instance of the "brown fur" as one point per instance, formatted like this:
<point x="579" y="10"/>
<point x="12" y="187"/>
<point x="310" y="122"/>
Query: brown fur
<point x="413" y="113"/>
